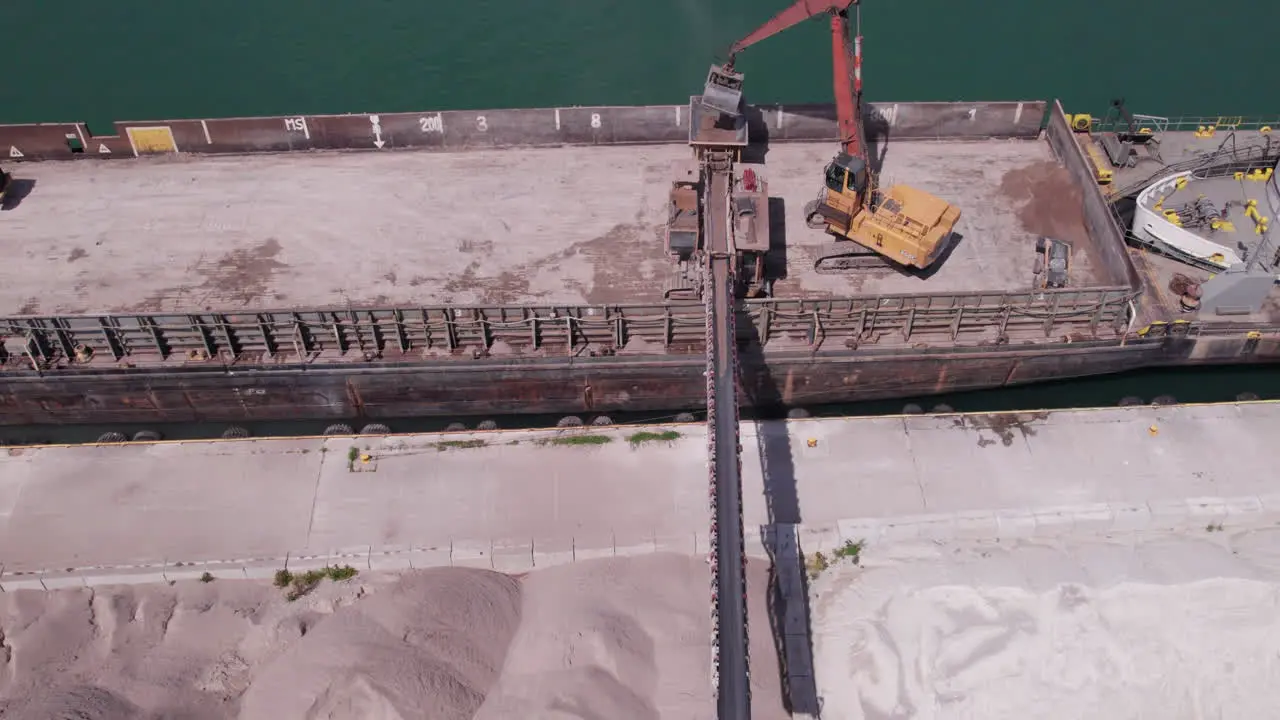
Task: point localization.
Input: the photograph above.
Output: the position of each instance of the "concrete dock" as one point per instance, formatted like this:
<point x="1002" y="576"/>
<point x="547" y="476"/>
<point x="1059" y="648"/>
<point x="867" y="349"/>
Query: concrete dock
<point x="545" y="226"/>
<point x="145" y="512"/>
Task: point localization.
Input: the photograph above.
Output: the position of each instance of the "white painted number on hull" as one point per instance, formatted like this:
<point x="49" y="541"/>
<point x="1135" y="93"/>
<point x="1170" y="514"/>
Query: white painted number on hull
<point x="595" y="120"/>
<point x="375" y="123"/>
<point x="14" y="152"/>
<point x="432" y="123"/>
<point x="297" y="124"/>
<point x="482" y="124"/>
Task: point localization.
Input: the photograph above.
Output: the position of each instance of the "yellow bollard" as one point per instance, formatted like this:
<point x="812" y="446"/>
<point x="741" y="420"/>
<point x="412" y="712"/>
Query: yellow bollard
<point x="1181" y="183"/>
<point x="365" y="458"/>
<point x="813" y="442"/>
<point x="1153" y="430"/>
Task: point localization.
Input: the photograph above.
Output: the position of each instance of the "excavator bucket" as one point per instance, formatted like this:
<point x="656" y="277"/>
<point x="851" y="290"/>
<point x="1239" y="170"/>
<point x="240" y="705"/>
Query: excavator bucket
<point x="723" y="91"/>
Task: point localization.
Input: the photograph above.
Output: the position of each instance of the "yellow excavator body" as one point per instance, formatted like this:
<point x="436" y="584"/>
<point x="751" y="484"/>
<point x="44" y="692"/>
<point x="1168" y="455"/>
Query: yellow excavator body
<point x="907" y="225"/>
<point x="900" y="225"/>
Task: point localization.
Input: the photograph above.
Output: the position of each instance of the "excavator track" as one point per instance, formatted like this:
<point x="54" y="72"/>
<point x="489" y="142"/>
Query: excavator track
<point x="859" y="260"/>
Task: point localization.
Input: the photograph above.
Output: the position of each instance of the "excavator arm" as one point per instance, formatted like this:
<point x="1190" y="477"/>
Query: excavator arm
<point x="724" y="85"/>
<point x="800" y="11"/>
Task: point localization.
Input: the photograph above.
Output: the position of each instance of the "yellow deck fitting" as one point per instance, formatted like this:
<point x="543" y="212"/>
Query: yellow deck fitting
<point x="1181" y="183"/>
<point x="1153" y="430"/>
<point x="1265" y="129"/>
<point x="813" y="442"/>
<point x="1223" y="225"/>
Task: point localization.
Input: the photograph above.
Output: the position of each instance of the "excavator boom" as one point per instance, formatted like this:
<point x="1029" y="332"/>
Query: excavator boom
<point x="724" y="85"/>
<point x="800" y="11"/>
<point x="902" y="225"/>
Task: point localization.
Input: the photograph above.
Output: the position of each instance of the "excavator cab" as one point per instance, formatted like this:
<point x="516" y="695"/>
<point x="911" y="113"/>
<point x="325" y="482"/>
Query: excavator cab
<point x="723" y="90"/>
<point x="847" y="173"/>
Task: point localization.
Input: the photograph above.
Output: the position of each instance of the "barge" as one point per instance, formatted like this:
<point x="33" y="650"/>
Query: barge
<point x="465" y="264"/>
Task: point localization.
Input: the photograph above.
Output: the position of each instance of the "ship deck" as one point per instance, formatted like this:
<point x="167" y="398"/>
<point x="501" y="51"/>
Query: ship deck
<point x="1160" y="270"/>
<point x="568" y="225"/>
<point x="1177" y="148"/>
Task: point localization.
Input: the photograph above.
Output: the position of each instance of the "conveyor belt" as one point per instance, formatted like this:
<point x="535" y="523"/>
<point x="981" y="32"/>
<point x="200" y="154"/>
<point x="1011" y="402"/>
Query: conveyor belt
<point x="732" y="678"/>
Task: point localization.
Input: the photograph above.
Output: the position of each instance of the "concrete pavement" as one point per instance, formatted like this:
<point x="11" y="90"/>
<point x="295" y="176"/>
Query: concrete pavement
<point x="519" y="500"/>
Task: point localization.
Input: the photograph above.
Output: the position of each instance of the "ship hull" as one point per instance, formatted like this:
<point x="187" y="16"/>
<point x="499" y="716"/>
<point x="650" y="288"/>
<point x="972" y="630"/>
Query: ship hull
<point x="455" y="359"/>
<point x="450" y="389"/>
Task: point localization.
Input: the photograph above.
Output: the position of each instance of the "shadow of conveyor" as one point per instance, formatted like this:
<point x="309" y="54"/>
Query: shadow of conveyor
<point x="777" y="466"/>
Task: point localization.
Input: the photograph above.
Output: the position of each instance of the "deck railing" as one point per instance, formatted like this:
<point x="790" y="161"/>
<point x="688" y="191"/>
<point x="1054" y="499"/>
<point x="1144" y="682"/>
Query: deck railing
<point x="1191" y="123"/>
<point x="307" y="336"/>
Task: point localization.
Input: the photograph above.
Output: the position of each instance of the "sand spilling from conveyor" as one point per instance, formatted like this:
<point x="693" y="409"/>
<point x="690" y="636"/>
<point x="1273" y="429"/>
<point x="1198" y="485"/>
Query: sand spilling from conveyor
<point x="1167" y="627"/>
<point x="614" y="638"/>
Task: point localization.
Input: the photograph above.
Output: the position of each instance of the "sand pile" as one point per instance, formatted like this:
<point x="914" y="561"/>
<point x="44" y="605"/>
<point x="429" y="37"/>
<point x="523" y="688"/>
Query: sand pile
<point x="629" y="638"/>
<point x="1168" y="627"/>
<point x="182" y="651"/>
<point x="430" y="645"/>
<point x="619" y="638"/>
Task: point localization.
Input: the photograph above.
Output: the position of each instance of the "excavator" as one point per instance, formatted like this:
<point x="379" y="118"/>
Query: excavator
<point x="900" y="226"/>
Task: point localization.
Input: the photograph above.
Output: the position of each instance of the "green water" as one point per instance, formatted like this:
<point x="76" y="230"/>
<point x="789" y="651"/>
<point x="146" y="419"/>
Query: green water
<point x="150" y="59"/>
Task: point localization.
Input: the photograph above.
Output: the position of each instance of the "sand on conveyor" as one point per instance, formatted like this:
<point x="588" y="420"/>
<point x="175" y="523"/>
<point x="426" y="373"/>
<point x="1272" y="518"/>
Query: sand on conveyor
<point x="1170" y="626"/>
<point x="614" y="638"/>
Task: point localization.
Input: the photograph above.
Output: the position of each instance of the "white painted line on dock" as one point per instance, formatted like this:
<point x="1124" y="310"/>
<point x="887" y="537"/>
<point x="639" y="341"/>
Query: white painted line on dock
<point x="205" y="125"/>
<point x="780" y="114"/>
<point x="557" y="118"/>
<point x="677" y="116"/>
<point x="81" y="135"/>
<point x="1017" y="115"/>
